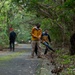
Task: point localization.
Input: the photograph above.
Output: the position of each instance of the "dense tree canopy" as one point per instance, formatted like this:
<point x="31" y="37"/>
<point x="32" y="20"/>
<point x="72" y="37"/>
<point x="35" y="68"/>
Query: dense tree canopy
<point x="58" y="16"/>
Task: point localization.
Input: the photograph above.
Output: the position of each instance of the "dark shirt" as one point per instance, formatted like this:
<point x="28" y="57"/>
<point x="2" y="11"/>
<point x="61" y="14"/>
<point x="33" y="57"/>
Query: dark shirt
<point x="12" y="36"/>
<point x="45" y="37"/>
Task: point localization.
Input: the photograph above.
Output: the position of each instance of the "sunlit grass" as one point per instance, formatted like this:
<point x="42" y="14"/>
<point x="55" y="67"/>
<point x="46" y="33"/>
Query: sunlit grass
<point x="11" y="56"/>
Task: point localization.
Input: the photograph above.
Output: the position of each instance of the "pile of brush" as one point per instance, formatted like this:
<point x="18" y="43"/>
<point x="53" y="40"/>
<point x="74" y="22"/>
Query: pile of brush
<point x="51" y="56"/>
<point x="57" y="70"/>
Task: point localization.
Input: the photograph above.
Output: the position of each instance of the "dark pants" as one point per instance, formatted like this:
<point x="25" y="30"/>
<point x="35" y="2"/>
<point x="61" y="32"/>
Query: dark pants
<point x="36" y="49"/>
<point x="46" y="50"/>
<point x="12" y="45"/>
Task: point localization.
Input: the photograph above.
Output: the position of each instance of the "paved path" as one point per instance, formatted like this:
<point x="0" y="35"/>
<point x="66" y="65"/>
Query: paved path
<point x="19" y="62"/>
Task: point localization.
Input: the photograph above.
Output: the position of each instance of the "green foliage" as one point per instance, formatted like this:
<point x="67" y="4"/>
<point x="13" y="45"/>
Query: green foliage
<point x="13" y="14"/>
<point x="20" y="14"/>
<point x="9" y="57"/>
<point x="3" y="35"/>
<point x="66" y="59"/>
<point x="69" y="4"/>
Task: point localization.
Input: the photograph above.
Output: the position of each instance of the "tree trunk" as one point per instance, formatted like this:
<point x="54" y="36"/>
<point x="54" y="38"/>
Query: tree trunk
<point x="72" y="44"/>
<point x="72" y="39"/>
<point x="7" y="23"/>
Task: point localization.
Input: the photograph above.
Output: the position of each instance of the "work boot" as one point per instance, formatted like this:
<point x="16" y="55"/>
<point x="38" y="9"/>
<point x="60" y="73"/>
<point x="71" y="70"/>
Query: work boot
<point x="39" y="57"/>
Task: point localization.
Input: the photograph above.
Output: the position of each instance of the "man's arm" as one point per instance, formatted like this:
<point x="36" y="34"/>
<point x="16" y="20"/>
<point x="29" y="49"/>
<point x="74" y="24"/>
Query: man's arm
<point x="32" y="33"/>
<point x="49" y="38"/>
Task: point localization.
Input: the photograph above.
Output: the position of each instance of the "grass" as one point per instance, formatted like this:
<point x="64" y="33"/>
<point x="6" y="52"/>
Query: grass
<point x="11" y="56"/>
<point x="65" y="59"/>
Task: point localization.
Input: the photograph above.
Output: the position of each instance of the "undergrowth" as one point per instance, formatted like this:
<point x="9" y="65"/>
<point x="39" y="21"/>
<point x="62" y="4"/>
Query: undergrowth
<point x="63" y="58"/>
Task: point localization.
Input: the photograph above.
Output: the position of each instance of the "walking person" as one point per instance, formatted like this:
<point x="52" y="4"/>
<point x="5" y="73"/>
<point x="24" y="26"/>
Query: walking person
<point x="46" y="40"/>
<point x="12" y="37"/>
<point x="36" y="35"/>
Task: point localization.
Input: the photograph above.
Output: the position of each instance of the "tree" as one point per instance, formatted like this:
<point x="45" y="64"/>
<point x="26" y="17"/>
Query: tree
<point x="72" y="46"/>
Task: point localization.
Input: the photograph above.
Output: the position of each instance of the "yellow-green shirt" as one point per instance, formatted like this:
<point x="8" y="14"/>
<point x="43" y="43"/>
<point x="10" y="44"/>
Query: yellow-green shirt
<point x="36" y="33"/>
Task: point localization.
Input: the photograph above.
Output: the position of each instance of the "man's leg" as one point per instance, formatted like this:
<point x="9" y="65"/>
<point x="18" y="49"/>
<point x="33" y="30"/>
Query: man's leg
<point x="10" y="44"/>
<point x="13" y="46"/>
<point x="46" y="50"/>
<point x="36" y="49"/>
<point x="33" y="43"/>
<point x="39" y="49"/>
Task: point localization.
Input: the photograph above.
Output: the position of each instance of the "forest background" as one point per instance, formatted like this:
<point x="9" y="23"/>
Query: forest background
<point x="58" y="16"/>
